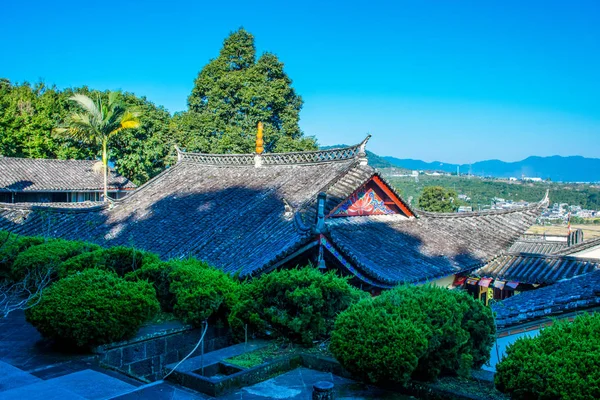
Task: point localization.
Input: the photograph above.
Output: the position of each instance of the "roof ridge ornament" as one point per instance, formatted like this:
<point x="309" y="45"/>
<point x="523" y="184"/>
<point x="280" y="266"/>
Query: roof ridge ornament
<point x="258" y="162"/>
<point x="362" y="152"/>
<point x="179" y="153"/>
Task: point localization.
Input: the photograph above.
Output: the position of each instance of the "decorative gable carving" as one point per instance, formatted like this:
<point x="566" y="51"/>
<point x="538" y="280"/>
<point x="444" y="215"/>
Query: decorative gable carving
<point x="372" y="198"/>
<point x="363" y="202"/>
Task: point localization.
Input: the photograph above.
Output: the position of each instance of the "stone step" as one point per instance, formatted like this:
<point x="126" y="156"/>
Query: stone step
<point x="86" y="384"/>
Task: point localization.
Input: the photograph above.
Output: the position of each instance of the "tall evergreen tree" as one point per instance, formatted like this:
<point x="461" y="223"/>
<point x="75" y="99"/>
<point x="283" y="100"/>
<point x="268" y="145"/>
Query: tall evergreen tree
<point x="232" y="93"/>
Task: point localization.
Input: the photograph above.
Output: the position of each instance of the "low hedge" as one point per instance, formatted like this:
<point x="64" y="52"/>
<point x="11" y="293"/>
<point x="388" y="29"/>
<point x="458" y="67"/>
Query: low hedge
<point x="297" y="304"/>
<point x="374" y="344"/>
<point x="48" y="256"/>
<point x="438" y="314"/>
<point x="562" y="362"/>
<point x="158" y="274"/>
<point x="201" y="291"/>
<point x="10" y="246"/>
<point x="92" y="308"/>
<point x="118" y="259"/>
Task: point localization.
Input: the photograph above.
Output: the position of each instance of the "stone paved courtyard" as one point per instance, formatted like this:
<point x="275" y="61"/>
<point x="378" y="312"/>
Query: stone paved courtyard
<point x="32" y="368"/>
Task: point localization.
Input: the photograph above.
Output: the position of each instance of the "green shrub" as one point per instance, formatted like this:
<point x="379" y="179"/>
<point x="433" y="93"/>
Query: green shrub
<point x="457" y="330"/>
<point x="119" y="259"/>
<point x="48" y="256"/>
<point x="10" y="246"/>
<point x="478" y="320"/>
<point x="374" y="344"/>
<point x="93" y="307"/>
<point x="296" y="304"/>
<point x="562" y="362"/>
<point x="157" y="273"/>
<point x="201" y="291"/>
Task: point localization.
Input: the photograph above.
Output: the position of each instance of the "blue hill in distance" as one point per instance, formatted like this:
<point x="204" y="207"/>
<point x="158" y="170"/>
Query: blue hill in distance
<point x="555" y="168"/>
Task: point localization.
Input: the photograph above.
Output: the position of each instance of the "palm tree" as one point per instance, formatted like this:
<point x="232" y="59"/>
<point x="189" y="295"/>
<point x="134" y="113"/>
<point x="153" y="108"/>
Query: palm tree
<point x="98" y="123"/>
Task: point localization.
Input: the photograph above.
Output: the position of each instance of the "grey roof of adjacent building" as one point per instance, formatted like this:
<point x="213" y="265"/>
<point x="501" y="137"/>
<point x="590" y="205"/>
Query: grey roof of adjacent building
<point x="44" y="175"/>
<point x="394" y="249"/>
<point x="537" y="246"/>
<point x="579" y="293"/>
<point x="222" y="209"/>
<point x="579" y="247"/>
<point x="536" y="268"/>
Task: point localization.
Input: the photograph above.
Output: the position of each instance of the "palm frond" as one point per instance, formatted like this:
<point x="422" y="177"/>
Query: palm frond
<point x="88" y="105"/>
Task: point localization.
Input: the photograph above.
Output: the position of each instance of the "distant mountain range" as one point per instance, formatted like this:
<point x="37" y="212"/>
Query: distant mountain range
<point x="555" y="168"/>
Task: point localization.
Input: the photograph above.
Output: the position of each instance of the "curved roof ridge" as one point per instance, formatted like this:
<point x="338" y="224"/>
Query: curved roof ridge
<point x="534" y="206"/>
<point x="586" y="244"/>
<point x="289" y="158"/>
<point x="79" y="207"/>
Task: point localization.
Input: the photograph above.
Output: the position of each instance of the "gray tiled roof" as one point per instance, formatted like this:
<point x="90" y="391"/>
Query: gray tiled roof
<point x="576" y="248"/>
<point x="224" y="210"/>
<point x="537" y="246"/>
<point x="532" y="268"/>
<point x="393" y="249"/>
<point x="563" y="297"/>
<point x="232" y="216"/>
<point x="29" y="174"/>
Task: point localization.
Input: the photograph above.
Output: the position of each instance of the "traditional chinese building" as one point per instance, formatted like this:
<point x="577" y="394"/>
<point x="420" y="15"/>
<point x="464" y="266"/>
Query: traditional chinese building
<point x="252" y="213"/>
<point x="28" y="180"/>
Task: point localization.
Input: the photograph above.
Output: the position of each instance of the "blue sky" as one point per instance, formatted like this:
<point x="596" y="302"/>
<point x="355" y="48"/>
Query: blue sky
<point x="457" y="81"/>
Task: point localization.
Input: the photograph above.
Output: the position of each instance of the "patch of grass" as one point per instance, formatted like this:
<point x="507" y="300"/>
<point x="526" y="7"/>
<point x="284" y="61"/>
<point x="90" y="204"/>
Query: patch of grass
<point x="274" y="351"/>
<point x="161" y="317"/>
<point x="470" y="387"/>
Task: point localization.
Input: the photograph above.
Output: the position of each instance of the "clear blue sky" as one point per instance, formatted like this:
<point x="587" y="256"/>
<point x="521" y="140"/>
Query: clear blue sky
<point x="457" y="81"/>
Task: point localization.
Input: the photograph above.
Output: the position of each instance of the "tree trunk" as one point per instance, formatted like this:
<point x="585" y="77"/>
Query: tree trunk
<point x="105" y="165"/>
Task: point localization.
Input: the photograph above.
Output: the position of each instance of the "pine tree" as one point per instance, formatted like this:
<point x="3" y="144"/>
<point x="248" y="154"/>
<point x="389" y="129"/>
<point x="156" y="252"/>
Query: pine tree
<point x="232" y="93"/>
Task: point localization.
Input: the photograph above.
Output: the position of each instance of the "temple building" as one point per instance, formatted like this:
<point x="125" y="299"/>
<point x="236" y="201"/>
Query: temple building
<point x="28" y="180"/>
<point x="253" y="213"/>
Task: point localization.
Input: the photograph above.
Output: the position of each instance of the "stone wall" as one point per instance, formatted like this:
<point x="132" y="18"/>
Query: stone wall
<point x="145" y="356"/>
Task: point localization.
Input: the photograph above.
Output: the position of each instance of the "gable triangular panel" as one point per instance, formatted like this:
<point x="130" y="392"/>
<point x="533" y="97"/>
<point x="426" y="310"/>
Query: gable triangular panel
<point x="372" y="198"/>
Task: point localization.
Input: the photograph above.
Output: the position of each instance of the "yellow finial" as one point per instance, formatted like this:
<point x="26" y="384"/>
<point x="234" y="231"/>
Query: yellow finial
<point x="259" y="139"/>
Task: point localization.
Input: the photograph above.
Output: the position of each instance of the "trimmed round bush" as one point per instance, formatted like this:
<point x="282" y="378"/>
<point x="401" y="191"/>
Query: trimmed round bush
<point x="10" y="246"/>
<point x="201" y="291"/>
<point x="118" y="259"/>
<point x="374" y="344"/>
<point x="48" y="256"/>
<point x="296" y="304"/>
<point x="92" y="308"/>
<point x="562" y="362"/>
<point x="458" y="331"/>
<point x="157" y="274"/>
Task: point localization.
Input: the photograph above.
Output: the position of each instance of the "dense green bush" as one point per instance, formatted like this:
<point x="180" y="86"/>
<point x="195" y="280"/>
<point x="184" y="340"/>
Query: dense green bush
<point x="119" y="259"/>
<point x="458" y="331"/>
<point x="374" y="344"/>
<point x="478" y="320"/>
<point x="93" y="307"/>
<point x="157" y="273"/>
<point x="10" y="247"/>
<point x="562" y="362"/>
<point x="48" y="256"/>
<point x="297" y="304"/>
<point x="201" y="291"/>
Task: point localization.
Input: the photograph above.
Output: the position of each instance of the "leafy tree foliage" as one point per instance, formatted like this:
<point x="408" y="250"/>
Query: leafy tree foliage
<point x="28" y="115"/>
<point x="235" y="91"/>
<point x="562" y="362"/>
<point x="438" y="199"/>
